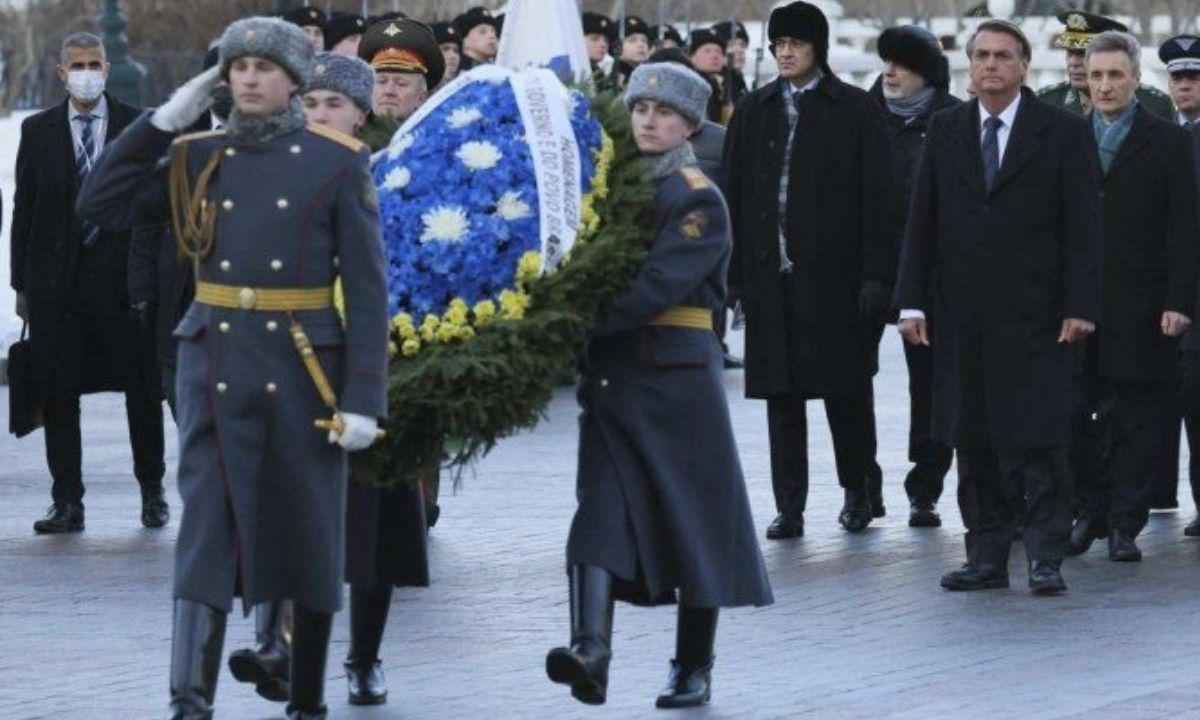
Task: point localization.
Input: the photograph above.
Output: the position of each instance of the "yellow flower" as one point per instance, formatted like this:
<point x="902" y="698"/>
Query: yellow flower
<point x="466" y="332"/>
<point x="403" y="325"/>
<point x="392" y="349"/>
<point x="485" y="312"/>
<point x="428" y="333"/>
<point x="529" y="267"/>
<point x="411" y="347"/>
<point x="446" y="332"/>
<point x="513" y="304"/>
<point x="456" y="313"/>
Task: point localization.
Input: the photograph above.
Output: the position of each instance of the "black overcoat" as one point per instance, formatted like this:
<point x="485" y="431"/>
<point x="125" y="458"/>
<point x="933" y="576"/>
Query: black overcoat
<point x="839" y="176"/>
<point x="662" y="499"/>
<point x="46" y="247"/>
<point x="1151" y="236"/>
<point x="1005" y="267"/>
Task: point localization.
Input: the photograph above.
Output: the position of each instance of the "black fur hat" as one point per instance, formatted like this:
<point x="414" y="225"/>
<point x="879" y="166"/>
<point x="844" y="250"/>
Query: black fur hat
<point x="918" y="50"/>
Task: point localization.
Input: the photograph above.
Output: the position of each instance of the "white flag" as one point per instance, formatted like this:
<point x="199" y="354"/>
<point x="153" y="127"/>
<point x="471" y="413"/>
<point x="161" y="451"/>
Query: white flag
<point x="545" y="33"/>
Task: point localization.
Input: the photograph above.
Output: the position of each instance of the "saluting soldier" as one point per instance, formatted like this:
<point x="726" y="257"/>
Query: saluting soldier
<point x="662" y="509"/>
<point x="1072" y="93"/>
<point x="270" y="210"/>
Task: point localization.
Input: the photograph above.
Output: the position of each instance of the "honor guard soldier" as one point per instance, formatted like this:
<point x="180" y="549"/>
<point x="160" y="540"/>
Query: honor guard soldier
<point x="312" y="21"/>
<point x="663" y="514"/>
<point x="452" y="48"/>
<point x="599" y="35"/>
<point x="480" y="33"/>
<point x="1072" y="93"/>
<point x="270" y="211"/>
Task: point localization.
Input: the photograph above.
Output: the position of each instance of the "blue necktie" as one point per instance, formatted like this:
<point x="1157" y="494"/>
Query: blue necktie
<point x="83" y="165"/>
<point x="991" y="150"/>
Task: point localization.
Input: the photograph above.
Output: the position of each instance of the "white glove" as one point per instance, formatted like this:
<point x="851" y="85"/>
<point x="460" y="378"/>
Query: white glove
<point x="359" y="433"/>
<point x="187" y="103"/>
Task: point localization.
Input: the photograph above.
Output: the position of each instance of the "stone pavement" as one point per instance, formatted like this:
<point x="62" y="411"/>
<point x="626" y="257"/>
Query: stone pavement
<point x="860" y="628"/>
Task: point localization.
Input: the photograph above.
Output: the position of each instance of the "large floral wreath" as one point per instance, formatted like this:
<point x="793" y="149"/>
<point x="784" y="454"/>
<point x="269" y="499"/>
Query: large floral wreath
<point x="481" y="331"/>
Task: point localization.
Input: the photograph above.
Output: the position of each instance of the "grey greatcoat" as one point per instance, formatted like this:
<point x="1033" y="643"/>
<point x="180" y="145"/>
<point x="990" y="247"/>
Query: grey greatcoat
<point x="662" y="500"/>
<point x="264" y="492"/>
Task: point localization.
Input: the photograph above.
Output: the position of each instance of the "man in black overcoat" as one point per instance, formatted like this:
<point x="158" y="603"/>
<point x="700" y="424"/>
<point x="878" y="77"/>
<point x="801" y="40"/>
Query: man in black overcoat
<point x="70" y="282"/>
<point x="812" y="264"/>
<point x="1003" y="247"/>
<point x="1149" y="296"/>
<point x="913" y="86"/>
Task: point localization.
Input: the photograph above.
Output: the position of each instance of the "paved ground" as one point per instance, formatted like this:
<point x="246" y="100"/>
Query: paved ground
<point x="860" y="628"/>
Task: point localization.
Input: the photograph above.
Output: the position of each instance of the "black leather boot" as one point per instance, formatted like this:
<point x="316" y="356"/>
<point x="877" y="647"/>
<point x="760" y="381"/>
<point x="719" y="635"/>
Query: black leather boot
<point x="368" y="617"/>
<point x="310" y="648"/>
<point x="584" y="665"/>
<point x="196" y="643"/>
<point x="986" y="567"/>
<point x="690" y="681"/>
<point x="856" y="512"/>
<point x="269" y="666"/>
<point x="155" y="511"/>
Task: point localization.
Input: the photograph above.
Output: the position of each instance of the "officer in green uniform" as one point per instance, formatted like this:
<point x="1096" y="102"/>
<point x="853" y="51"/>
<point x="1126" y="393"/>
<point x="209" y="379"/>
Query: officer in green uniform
<point x="401" y="51"/>
<point x="1072" y="93"/>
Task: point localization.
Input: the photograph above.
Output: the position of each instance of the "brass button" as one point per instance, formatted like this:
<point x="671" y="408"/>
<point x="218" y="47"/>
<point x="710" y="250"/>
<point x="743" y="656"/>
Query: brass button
<point x="222" y="387"/>
<point x="603" y="382"/>
<point x="272" y="326"/>
<point x="271" y="387"/>
<point x="295" y="149"/>
<point x="247" y="298"/>
<point x="281" y="203"/>
<point x="276" y="265"/>
<point x="224" y="327"/>
<point x="227" y="204"/>
<point x="337" y="261"/>
<point x="226" y="266"/>
<point x="230" y="152"/>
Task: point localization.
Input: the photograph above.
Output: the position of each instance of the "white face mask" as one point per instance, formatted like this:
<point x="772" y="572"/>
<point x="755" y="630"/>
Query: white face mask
<point x="85" y="85"/>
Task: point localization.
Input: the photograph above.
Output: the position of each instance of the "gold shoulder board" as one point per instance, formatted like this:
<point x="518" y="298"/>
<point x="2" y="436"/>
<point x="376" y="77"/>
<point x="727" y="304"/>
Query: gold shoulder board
<point x="198" y="136"/>
<point x="696" y="179"/>
<point x="340" y="138"/>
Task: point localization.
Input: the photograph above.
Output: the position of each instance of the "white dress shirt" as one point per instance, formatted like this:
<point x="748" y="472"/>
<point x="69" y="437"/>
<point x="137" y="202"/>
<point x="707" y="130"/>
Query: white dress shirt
<point x="99" y="127"/>
<point x="1007" y="116"/>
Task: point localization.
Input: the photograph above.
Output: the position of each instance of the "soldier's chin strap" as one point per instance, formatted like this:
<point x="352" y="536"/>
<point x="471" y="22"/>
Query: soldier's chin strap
<point x="312" y="363"/>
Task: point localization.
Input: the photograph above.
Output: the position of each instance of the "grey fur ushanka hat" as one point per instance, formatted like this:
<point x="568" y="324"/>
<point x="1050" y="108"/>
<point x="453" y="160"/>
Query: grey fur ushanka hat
<point x="273" y="39"/>
<point x="349" y="76"/>
<point x="670" y="84"/>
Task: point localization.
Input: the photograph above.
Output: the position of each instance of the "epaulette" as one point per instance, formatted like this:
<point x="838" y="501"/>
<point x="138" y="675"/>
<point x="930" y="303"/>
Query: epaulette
<point x="695" y="177"/>
<point x="198" y="136"/>
<point x="341" y="138"/>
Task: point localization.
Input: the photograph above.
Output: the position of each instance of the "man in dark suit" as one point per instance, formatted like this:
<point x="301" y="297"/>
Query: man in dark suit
<point x="1003" y="248"/>
<point x="1149" y="296"/>
<point x="813" y="263"/>
<point x="70" y="282"/>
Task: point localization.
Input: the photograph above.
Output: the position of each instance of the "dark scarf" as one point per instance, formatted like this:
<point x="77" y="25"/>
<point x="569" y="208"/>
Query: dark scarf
<point x="256" y="129"/>
<point x="913" y="106"/>
<point x="1110" y="136"/>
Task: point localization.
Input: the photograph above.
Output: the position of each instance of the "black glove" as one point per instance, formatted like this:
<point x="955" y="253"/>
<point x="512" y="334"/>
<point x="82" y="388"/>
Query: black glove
<point x="874" y="301"/>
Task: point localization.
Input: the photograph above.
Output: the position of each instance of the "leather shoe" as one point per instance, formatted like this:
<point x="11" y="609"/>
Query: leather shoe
<point x="1083" y="533"/>
<point x="1193" y="528"/>
<point x="1045" y="578"/>
<point x="972" y="577"/>
<point x="155" y="511"/>
<point x="856" y="511"/>
<point x="367" y="684"/>
<point x="60" y="518"/>
<point x="1122" y="548"/>
<point x="686" y="687"/>
<point x="923" y="515"/>
<point x="784" y="527"/>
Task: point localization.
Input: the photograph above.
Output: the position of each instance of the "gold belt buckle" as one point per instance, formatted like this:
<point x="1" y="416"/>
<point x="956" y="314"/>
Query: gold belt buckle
<point x="247" y="298"/>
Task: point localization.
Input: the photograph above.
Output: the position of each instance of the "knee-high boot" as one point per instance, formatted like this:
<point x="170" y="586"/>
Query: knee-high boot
<point x="310" y="648"/>
<point x="690" y="681"/>
<point x="368" y="618"/>
<point x="197" y="639"/>
<point x="269" y="665"/>
<point x="584" y="665"/>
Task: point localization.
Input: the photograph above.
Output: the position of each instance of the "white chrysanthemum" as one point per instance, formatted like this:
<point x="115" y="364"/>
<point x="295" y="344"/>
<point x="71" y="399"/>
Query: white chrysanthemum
<point x="462" y="117"/>
<point x="398" y="147"/>
<point x="445" y="224"/>
<point x="479" y="155"/>
<point x="512" y="207"/>
<point x="397" y="179"/>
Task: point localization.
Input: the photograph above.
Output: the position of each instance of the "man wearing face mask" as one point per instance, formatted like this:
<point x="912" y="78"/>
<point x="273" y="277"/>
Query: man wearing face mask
<point x="270" y="210"/>
<point x="914" y="85"/>
<point x="70" y="279"/>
